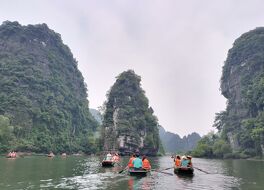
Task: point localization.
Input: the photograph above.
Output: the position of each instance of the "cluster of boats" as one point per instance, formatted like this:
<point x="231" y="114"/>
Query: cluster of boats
<point x="178" y="169"/>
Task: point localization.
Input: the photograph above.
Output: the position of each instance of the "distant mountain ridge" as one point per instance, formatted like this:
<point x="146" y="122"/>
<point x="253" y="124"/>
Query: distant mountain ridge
<point x="97" y="115"/>
<point x="174" y="143"/>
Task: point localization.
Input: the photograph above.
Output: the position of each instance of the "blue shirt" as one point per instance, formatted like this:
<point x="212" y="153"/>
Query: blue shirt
<point x="184" y="163"/>
<point x="137" y="162"/>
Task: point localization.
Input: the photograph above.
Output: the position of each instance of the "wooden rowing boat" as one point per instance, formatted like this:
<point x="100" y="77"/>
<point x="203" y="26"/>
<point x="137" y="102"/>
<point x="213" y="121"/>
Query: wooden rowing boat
<point x="184" y="170"/>
<point x="108" y="163"/>
<point x="138" y="172"/>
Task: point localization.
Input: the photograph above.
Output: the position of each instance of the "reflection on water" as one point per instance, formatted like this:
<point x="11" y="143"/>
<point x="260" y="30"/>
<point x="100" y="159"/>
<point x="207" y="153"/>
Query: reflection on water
<point x="86" y="173"/>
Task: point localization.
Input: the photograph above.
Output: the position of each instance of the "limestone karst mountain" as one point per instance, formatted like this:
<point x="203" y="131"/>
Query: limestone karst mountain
<point x="129" y="124"/>
<point x="43" y="97"/>
<point x="242" y="83"/>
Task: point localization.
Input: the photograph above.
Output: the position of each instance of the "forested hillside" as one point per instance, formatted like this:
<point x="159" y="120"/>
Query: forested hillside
<point x="43" y="97"/>
<point x="129" y="124"/>
<point x="241" y="125"/>
<point x="173" y="143"/>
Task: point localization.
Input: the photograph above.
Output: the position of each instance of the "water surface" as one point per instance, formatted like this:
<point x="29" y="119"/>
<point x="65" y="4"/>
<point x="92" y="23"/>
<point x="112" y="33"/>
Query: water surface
<point x="80" y="172"/>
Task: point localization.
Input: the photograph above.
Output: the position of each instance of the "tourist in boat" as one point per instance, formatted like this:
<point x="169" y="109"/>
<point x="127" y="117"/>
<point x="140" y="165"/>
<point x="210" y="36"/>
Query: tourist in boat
<point x="189" y="158"/>
<point x="9" y="155"/>
<point x="51" y="154"/>
<point x="184" y="162"/>
<point x="64" y="154"/>
<point x="137" y="163"/>
<point x="116" y="157"/>
<point x="145" y="163"/>
<point x="12" y="154"/>
<point x="130" y="162"/>
<point x="177" y="161"/>
<point x="109" y="156"/>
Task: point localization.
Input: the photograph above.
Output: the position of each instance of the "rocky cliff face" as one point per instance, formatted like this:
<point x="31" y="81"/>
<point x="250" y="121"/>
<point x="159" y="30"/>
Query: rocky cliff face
<point x="242" y="85"/>
<point x="42" y="91"/>
<point x="129" y="124"/>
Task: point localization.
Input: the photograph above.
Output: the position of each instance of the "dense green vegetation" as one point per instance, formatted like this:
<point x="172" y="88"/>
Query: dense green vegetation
<point x="173" y="143"/>
<point x="241" y="125"/>
<point x="43" y="97"/>
<point x="211" y="145"/>
<point x="129" y="124"/>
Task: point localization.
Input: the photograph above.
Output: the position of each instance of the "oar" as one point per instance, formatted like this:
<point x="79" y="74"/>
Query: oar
<point x="164" y="172"/>
<point x="118" y="164"/>
<point x="201" y="170"/>
<point x="122" y="170"/>
<point x="166" y="169"/>
<point x="161" y="171"/>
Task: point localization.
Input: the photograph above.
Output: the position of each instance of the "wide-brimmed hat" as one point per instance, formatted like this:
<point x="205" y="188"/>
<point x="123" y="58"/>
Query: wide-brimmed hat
<point x="184" y="157"/>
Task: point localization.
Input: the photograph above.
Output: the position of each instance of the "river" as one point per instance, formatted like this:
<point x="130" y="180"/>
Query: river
<point x="85" y="172"/>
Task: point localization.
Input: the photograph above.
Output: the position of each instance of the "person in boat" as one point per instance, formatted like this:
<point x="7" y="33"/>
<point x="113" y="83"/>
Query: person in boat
<point x="184" y="161"/>
<point x="116" y="157"/>
<point x="137" y="163"/>
<point x="177" y="161"/>
<point x="64" y="154"/>
<point x="9" y="155"/>
<point x="145" y="163"/>
<point x="130" y="162"/>
<point x="189" y="158"/>
<point x="109" y="156"/>
<point x="51" y="154"/>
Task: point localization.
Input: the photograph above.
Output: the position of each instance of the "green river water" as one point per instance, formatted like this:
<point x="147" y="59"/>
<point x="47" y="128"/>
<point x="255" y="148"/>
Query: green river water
<point x="85" y="172"/>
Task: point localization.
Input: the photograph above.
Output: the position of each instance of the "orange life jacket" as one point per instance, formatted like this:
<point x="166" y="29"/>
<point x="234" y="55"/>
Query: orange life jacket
<point x="178" y="162"/>
<point x="130" y="162"/>
<point x="145" y="164"/>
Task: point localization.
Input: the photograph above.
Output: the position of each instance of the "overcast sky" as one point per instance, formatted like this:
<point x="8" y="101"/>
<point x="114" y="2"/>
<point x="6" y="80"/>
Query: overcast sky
<point x="177" y="47"/>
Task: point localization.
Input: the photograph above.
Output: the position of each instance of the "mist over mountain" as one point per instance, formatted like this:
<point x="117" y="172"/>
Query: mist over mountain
<point x="174" y="143"/>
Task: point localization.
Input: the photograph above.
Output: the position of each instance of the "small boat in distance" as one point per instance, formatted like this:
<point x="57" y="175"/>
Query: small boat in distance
<point x="108" y="163"/>
<point x="138" y="172"/>
<point x="11" y="155"/>
<point x="51" y="155"/>
<point x="110" y="160"/>
<point x="183" y="170"/>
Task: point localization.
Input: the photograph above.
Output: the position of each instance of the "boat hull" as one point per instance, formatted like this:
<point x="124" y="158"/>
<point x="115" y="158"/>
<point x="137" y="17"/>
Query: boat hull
<point x="184" y="170"/>
<point x="138" y="172"/>
<point x="106" y="163"/>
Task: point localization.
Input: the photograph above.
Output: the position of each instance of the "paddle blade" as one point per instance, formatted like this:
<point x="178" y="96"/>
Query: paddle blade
<point x="120" y="171"/>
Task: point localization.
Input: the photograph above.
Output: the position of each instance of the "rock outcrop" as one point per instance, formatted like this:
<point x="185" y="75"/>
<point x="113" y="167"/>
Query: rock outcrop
<point x="242" y="83"/>
<point x="128" y="123"/>
<point x="42" y="92"/>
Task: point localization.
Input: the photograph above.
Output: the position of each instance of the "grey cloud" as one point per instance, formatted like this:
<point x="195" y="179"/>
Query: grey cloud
<point x="178" y="47"/>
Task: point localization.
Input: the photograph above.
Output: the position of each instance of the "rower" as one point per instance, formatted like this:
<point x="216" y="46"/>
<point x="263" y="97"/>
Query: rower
<point x="130" y="162"/>
<point x="189" y="158"/>
<point x="177" y="161"/>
